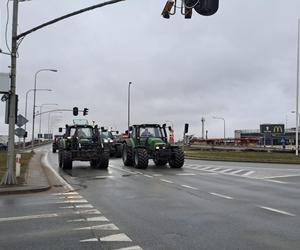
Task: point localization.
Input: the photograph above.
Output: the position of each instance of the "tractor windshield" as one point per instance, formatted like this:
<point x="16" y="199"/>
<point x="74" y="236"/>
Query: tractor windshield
<point x="82" y="133"/>
<point x="150" y="132"/>
<point x="107" y="135"/>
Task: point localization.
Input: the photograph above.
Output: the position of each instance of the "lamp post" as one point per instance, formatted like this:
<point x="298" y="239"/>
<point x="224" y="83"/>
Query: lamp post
<point x="27" y="92"/>
<point x="41" y="110"/>
<point x="34" y="98"/>
<point x="297" y="93"/>
<point x="221" y="118"/>
<point x="129" y="84"/>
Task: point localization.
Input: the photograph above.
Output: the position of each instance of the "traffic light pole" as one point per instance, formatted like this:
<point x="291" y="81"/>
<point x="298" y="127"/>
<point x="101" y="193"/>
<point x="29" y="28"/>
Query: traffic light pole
<point x="9" y="177"/>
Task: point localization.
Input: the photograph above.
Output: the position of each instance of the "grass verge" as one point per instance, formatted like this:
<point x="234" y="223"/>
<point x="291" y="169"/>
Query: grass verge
<point x="243" y="156"/>
<point x="25" y="157"/>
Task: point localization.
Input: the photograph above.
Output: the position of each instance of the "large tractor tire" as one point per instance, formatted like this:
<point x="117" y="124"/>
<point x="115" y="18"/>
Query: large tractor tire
<point x="104" y="160"/>
<point x="53" y="150"/>
<point x="66" y="160"/>
<point x="177" y="158"/>
<point x="118" y="150"/>
<point x="127" y="155"/>
<point x="60" y="163"/>
<point x="141" y="158"/>
<point x="93" y="163"/>
<point x="160" y="162"/>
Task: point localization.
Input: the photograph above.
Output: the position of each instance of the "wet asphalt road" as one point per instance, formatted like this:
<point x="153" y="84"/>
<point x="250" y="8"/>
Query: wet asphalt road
<point x="204" y="205"/>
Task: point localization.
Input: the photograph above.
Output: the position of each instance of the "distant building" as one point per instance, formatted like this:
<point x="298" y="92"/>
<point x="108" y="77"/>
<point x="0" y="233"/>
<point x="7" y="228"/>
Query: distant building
<point x="269" y="134"/>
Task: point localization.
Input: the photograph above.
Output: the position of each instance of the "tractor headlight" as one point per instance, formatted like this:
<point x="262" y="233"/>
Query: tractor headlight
<point x="157" y="147"/>
<point x="105" y="141"/>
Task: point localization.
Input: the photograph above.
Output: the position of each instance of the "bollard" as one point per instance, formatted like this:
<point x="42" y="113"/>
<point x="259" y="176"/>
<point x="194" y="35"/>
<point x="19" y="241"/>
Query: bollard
<point x="18" y="165"/>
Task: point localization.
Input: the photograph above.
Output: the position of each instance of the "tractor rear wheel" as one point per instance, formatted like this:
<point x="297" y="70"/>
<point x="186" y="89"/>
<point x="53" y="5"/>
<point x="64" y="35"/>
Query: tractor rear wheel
<point x="66" y="160"/>
<point x="141" y="158"/>
<point x="160" y="162"/>
<point x="118" y="150"/>
<point x="177" y="158"/>
<point x="127" y="155"/>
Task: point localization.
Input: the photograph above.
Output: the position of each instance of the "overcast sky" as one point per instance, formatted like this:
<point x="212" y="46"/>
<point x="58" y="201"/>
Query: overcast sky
<point x="239" y="64"/>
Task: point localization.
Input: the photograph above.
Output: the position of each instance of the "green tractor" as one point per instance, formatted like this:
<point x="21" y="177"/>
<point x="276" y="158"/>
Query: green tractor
<point x="82" y="143"/>
<point x="149" y="141"/>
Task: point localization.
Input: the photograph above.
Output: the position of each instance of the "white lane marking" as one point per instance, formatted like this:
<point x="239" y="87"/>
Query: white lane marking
<point x="214" y="169"/>
<point x="186" y="186"/>
<point x="72" y="201"/>
<point x="91" y="219"/>
<point x="68" y="207"/>
<point x="222" y="196"/>
<point x="68" y="193"/>
<point x="149" y="176"/>
<point x="157" y="175"/>
<point x="116" y="237"/>
<point x="281" y="182"/>
<point x="226" y="170"/>
<point x="29" y="217"/>
<point x="282" y="176"/>
<point x="277" y="211"/>
<point x="46" y="163"/>
<point x="71" y="197"/>
<point x="99" y="227"/>
<point x="84" y="206"/>
<point x="205" y="168"/>
<point x="103" y="176"/>
<point x="138" y="172"/>
<point x="89" y="240"/>
<point x="88" y="212"/>
<point x="124" y="170"/>
<point x="248" y="173"/>
<point x="130" y="248"/>
<point x="167" y="181"/>
<point x="237" y="171"/>
<point x="186" y="174"/>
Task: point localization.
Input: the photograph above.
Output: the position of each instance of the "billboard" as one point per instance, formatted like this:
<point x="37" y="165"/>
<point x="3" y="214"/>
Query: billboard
<point x="272" y="128"/>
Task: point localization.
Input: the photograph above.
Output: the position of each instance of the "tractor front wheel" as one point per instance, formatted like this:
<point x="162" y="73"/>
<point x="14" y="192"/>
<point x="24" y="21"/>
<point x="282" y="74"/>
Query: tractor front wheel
<point x="66" y="160"/>
<point x="177" y="158"/>
<point x="127" y="155"/>
<point x="141" y="158"/>
<point x="104" y="160"/>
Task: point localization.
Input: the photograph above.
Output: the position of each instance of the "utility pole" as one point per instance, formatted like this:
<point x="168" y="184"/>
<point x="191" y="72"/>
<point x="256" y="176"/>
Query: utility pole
<point x="202" y="121"/>
<point x="297" y="93"/>
<point x="129" y="84"/>
<point x="9" y="177"/>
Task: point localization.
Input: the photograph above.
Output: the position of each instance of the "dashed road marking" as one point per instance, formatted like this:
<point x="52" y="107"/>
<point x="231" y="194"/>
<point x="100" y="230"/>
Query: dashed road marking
<point x="72" y="201"/>
<point x="167" y="181"/>
<point x="282" y="176"/>
<point x="84" y="206"/>
<point x="157" y="175"/>
<point x="67" y="193"/>
<point x="237" y="171"/>
<point x="116" y="237"/>
<point x="28" y="217"/>
<point x="71" y="197"/>
<point x="149" y="176"/>
<point x="89" y="240"/>
<point x="112" y="227"/>
<point x="130" y="248"/>
<point x="277" y="211"/>
<point x="281" y="182"/>
<point x="186" y="174"/>
<point x="214" y="169"/>
<point x="226" y="170"/>
<point x="91" y="219"/>
<point x="88" y="212"/>
<point x="248" y="173"/>
<point x="222" y="196"/>
<point x="186" y="186"/>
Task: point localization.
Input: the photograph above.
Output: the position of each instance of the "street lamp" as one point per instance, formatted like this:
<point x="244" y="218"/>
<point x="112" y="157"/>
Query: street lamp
<point x="297" y="93"/>
<point x="221" y="118"/>
<point x="34" y="98"/>
<point x="41" y="108"/>
<point x="28" y="91"/>
<point x="129" y="84"/>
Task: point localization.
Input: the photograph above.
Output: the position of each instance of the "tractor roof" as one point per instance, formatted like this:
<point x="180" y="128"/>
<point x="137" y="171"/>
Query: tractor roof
<point x="146" y="125"/>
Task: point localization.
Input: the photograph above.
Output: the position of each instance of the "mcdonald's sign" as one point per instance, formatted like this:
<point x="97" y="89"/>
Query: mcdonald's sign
<point x="272" y="128"/>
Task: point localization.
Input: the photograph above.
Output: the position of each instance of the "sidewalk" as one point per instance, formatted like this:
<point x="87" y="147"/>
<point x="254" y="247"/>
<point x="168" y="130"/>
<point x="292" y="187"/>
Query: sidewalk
<point x="35" y="179"/>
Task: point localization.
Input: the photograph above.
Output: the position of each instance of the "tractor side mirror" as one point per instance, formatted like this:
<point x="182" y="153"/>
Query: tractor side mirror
<point x="60" y="130"/>
<point x="170" y="128"/>
<point x="117" y="132"/>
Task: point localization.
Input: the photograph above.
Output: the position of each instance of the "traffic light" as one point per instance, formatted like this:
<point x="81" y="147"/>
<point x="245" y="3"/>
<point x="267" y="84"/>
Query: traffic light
<point x="75" y="111"/>
<point x="167" y="9"/>
<point x="203" y="7"/>
<point x="186" y="128"/>
<point x="188" y="13"/>
<point x="85" y="111"/>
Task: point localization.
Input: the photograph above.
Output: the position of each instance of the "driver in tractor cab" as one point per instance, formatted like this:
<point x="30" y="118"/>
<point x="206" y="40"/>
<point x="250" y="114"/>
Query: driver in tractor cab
<point x="146" y="133"/>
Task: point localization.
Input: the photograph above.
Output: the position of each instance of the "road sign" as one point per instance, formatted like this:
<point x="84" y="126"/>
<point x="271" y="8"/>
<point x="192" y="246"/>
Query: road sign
<point x="20" y="132"/>
<point x="21" y="121"/>
<point x="4" y="82"/>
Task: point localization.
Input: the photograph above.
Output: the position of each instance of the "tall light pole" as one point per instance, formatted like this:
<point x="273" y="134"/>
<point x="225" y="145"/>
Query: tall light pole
<point x="221" y="118"/>
<point x="41" y="110"/>
<point x="297" y="93"/>
<point x="34" y="98"/>
<point x="9" y="178"/>
<point x="129" y="84"/>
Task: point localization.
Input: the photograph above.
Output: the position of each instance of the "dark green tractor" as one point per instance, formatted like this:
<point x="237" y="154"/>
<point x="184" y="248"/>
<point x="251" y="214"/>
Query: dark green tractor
<point x="82" y="143"/>
<point x="150" y="141"/>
